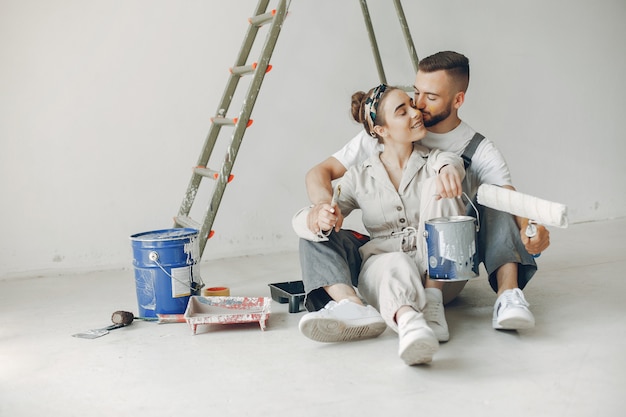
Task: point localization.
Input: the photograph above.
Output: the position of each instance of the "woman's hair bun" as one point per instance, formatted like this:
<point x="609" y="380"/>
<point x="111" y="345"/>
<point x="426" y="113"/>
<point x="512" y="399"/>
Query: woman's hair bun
<point x="358" y="101"/>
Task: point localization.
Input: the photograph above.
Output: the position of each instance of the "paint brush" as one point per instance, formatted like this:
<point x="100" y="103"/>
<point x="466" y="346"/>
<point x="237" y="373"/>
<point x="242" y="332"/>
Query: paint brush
<point x="333" y="203"/>
<point x="336" y="194"/>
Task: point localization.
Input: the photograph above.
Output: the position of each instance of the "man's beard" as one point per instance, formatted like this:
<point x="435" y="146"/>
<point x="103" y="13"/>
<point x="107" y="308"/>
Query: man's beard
<point x="434" y="119"/>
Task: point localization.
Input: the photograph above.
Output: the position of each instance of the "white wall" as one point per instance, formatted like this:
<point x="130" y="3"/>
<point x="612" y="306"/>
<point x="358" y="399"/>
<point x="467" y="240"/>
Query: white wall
<point x="104" y="106"/>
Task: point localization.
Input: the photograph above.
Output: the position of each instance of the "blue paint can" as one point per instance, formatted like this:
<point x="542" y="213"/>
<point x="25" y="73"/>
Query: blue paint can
<point x="451" y="243"/>
<point x="166" y="271"/>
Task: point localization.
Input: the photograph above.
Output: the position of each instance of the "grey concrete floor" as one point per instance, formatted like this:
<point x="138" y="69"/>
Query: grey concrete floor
<point x="571" y="364"/>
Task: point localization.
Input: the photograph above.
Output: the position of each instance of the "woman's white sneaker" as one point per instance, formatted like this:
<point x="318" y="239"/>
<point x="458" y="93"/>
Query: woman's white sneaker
<point x="511" y="311"/>
<point x="342" y="322"/>
<point x="417" y="342"/>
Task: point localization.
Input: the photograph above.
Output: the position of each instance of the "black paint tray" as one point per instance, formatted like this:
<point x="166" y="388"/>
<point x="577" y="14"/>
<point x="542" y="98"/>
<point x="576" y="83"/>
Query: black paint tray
<point x="291" y="292"/>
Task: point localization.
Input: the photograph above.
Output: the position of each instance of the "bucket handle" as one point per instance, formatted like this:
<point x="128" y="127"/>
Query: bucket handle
<point x="470" y="201"/>
<point x="476" y="210"/>
<point x="194" y="286"/>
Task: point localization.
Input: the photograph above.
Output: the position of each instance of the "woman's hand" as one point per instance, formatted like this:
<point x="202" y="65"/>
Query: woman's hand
<point x="448" y="183"/>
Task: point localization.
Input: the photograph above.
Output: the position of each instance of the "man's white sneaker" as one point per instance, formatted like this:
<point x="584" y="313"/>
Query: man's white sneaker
<point x="417" y="342"/>
<point x="341" y="322"/>
<point x="511" y="311"/>
<point x="434" y="314"/>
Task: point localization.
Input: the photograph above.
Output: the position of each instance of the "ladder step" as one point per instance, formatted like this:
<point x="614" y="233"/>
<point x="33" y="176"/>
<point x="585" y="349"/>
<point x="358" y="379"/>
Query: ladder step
<point x="247" y="69"/>
<point x="228" y="122"/>
<point x="262" y="19"/>
<point x="222" y="121"/>
<point x="206" y="172"/>
<point x="186" y="221"/>
<point x="209" y="173"/>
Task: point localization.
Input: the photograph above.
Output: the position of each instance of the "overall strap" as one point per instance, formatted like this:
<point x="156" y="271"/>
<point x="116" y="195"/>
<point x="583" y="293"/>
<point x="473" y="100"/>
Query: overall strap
<point x="468" y="153"/>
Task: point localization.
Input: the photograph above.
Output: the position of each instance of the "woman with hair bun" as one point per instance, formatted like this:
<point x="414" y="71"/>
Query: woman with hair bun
<point x="395" y="190"/>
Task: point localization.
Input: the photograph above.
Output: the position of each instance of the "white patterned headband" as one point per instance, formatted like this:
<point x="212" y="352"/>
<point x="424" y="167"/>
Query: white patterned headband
<point x="371" y="107"/>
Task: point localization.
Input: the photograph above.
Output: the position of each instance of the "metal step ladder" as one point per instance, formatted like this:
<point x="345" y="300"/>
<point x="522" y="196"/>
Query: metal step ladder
<point x="222" y="176"/>
<point x="372" y="37"/>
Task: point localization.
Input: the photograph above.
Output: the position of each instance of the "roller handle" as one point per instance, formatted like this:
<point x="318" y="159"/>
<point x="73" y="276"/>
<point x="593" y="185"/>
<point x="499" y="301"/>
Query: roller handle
<point x="531" y="231"/>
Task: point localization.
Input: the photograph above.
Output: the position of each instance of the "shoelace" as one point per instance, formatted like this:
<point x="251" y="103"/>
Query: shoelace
<point x="430" y="312"/>
<point x="513" y="298"/>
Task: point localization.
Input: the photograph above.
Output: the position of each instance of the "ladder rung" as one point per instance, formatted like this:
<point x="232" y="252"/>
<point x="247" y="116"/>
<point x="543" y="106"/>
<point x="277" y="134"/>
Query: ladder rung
<point x="186" y="221"/>
<point x="206" y="172"/>
<point x="243" y="70"/>
<point x="262" y="19"/>
<point x="209" y="173"/>
<point x="228" y="122"/>
<point x="247" y="69"/>
<point x="223" y="121"/>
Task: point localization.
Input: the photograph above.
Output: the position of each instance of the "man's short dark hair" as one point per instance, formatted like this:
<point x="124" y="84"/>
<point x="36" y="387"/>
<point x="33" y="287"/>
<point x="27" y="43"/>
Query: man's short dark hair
<point x="454" y="63"/>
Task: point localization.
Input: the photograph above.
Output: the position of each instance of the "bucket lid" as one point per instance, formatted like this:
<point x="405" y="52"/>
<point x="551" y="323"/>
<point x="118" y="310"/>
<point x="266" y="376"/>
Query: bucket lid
<point x="452" y="219"/>
<point x="164" y="234"/>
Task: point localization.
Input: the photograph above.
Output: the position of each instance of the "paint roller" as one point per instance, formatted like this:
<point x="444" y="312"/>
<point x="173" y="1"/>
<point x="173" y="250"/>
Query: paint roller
<point x="523" y="205"/>
<point x="119" y="319"/>
<point x="125" y="318"/>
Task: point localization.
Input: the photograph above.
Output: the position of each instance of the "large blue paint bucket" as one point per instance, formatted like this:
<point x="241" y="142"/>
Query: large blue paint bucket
<point x="166" y="270"/>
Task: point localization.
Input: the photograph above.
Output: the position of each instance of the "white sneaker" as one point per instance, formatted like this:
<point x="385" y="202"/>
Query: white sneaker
<point x="511" y="311"/>
<point x="417" y="343"/>
<point x="434" y="314"/>
<point x="341" y="322"/>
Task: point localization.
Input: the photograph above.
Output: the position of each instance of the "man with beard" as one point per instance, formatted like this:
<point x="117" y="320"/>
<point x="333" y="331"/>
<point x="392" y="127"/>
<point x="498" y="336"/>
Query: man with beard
<point x="440" y="86"/>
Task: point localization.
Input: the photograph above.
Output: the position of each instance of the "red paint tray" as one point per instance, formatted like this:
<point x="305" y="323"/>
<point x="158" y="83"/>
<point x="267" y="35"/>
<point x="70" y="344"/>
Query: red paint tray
<point x="227" y="310"/>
